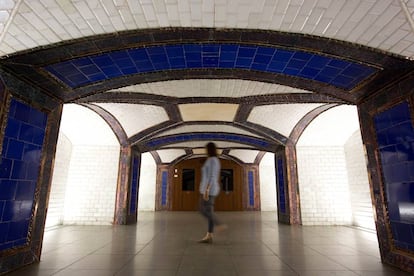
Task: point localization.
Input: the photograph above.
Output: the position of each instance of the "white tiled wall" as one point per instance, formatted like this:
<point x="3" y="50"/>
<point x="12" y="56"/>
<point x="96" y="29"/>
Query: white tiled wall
<point x="267" y="183"/>
<point x="59" y="180"/>
<point x="362" y="210"/>
<point x="91" y="186"/>
<point x="323" y="186"/>
<point x="147" y="180"/>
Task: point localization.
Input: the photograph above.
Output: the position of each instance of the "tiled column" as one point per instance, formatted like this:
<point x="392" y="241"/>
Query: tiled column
<point x="30" y="124"/>
<point x="388" y="135"/>
<point x="283" y="211"/>
<point x="122" y="190"/>
<point x="292" y="186"/>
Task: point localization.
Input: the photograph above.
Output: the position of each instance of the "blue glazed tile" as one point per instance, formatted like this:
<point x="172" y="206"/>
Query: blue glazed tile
<point x="193" y="56"/>
<point x="25" y="190"/>
<point x="26" y="133"/>
<point x="8" y="190"/>
<point x="19" y="170"/>
<point x="243" y="62"/>
<point x="80" y="62"/>
<point x="159" y="58"/>
<point x="177" y="62"/>
<point x="323" y="78"/>
<point x="18" y="230"/>
<point x="277" y="66"/>
<point x="246" y="52"/>
<point x="102" y="60"/>
<point x="352" y="70"/>
<point x="403" y="232"/>
<point x="111" y="71"/>
<point x="291" y="71"/>
<point x="194" y="64"/>
<point x="338" y="63"/>
<point x="266" y="51"/>
<point x="77" y="79"/>
<point x="4" y="229"/>
<point x="229" y="48"/>
<point x="125" y="63"/>
<point x="308" y="72"/>
<point x="262" y="59"/>
<point x="12" y="128"/>
<point x="282" y="55"/>
<point x="210" y="50"/>
<point x="22" y="112"/>
<point x="341" y="81"/>
<point x="389" y="154"/>
<point x="382" y="121"/>
<point x="15" y="149"/>
<point x="318" y="62"/>
<point x="295" y="64"/>
<point x="228" y="56"/>
<point x="129" y="70"/>
<point x="37" y="118"/>
<point x="303" y="56"/>
<point x="6" y="168"/>
<point x="259" y="66"/>
<point x="175" y="51"/>
<point x="89" y="70"/>
<point x="231" y="56"/>
<point x="138" y="54"/>
<point x="210" y="61"/>
<point x="192" y="48"/>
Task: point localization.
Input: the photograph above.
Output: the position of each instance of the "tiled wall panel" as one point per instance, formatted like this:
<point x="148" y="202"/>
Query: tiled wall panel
<point x="134" y="184"/>
<point x="19" y="169"/>
<point x="395" y="138"/>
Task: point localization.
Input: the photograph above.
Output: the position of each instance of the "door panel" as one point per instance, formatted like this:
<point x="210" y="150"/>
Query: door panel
<point x="187" y="180"/>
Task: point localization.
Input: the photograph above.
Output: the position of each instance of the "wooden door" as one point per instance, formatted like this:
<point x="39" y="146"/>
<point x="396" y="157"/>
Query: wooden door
<point x="186" y="181"/>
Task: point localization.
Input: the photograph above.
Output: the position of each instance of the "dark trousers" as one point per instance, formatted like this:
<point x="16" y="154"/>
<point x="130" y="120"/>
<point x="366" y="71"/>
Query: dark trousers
<point x="207" y="210"/>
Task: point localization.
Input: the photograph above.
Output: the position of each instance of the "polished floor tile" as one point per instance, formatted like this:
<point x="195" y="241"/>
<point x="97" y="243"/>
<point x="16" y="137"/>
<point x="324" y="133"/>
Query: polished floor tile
<point x="165" y="244"/>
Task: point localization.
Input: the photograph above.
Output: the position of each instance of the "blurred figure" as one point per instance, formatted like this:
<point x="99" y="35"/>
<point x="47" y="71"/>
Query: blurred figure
<point x="209" y="190"/>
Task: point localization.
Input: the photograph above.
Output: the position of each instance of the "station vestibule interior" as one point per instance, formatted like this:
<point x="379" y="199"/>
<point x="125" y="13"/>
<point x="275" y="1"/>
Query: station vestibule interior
<point x="106" y="107"/>
<point x="332" y="173"/>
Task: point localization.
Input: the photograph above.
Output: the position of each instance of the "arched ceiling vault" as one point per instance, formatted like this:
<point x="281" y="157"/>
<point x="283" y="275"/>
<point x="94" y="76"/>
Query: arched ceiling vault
<point x="168" y="77"/>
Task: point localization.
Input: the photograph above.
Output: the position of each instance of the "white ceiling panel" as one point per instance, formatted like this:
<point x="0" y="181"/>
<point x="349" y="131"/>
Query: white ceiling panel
<point x="202" y="144"/>
<point x="168" y="155"/>
<point x="208" y="112"/>
<point x="135" y="117"/>
<point x="83" y="126"/>
<point x="280" y="117"/>
<point x="332" y="127"/>
<point x="210" y="88"/>
<point x="247" y="156"/>
<point x="206" y="128"/>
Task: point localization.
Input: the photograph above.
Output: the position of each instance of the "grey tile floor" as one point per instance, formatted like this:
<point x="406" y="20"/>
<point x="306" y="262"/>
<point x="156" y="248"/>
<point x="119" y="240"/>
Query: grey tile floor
<point x="165" y="243"/>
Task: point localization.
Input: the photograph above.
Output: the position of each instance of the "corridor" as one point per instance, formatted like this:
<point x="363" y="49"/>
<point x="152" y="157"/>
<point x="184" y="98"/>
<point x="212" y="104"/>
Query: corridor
<point x="165" y="243"/>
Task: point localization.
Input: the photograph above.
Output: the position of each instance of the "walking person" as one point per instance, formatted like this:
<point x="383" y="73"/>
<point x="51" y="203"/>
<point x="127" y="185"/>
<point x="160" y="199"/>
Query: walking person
<point x="209" y="190"/>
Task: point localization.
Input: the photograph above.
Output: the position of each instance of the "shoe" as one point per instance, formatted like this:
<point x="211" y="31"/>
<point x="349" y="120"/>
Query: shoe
<point x="206" y="240"/>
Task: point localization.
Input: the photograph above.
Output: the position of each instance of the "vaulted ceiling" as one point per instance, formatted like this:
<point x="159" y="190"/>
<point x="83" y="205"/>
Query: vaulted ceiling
<point x="168" y="76"/>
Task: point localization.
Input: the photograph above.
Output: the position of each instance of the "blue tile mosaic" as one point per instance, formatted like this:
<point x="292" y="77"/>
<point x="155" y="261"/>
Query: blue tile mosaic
<point x="133" y="203"/>
<point x="164" y="183"/>
<point x="19" y="169"/>
<point x="395" y="138"/>
<point x="157" y="142"/>
<point x="250" y="179"/>
<point x="280" y="178"/>
<point x="333" y="71"/>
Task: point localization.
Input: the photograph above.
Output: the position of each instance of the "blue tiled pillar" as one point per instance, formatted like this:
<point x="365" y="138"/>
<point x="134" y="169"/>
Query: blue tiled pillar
<point x="395" y="138"/>
<point x="19" y="170"/>
<point x="281" y="187"/>
<point x="134" y="188"/>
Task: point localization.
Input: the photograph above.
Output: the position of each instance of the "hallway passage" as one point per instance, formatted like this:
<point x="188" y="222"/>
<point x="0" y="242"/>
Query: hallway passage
<point x="165" y="243"/>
